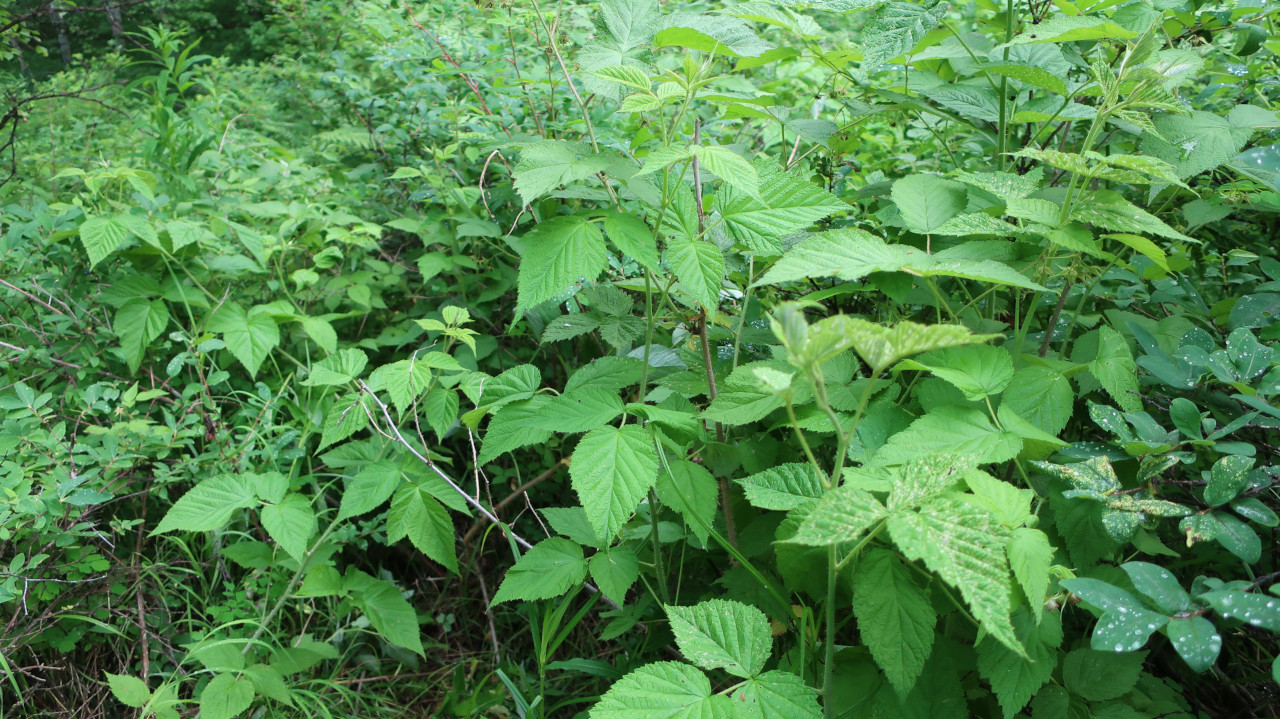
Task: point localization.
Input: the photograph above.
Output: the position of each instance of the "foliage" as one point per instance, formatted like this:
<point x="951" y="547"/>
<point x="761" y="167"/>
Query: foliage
<point x="844" y="358"/>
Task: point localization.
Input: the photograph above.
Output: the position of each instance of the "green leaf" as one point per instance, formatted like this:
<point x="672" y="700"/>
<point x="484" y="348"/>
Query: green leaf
<point x="138" y="323"/>
<point x="130" y="691"/>
<point x="787" y="204"/>
<point x="614" y="571"/>
<point x="880" y="346"/>
<point x="516" y="425"/>
<point x="551" y="568"/>
<point x="1036" y="76"/>
<point x="844" y="514"/>
<point x="347" y="416"/>
<point x="612" y="469"/>
<point x="559" y="253"/>
<point x="700" y="267"/>
<point x="730" y="167"/>
<point x="965" y="546"/>
<point x="783" y="487"/>
<point x="1014" y="679"/>
<point x="663" y="690"/>
<point x="1030" y="556"/>
<point x="689" y="489"/>
<point x="952" y="430"/>
<point x="291" y="523"/>
<point x="1228" y="478"/>
<point x="1110" y="211"/>
<point x="210" y="504"/>
<point x="337" y="369"/>
<point x="1100" y="676"/>
<point x="371" y="486"/>
<point x="1116" y="371"/>
<point x="895" y="617"/>
<point x="633" y="238"/>
<point x="226" y="696"/>
<point x="388" y="612"/>
<point x="441" y="409"/>
<point x="852" y="254"/>
<point x="1257" y="610"/>
<point x="1073" y="28"/>
<point x="417" y="515"/>
<point x="720" y="634"/>
<point x="1125" y="624"/>
<point x="102" y="236"/>
<point x="269" y="683"/>
<point x="978" y="371"/>
<point x="723" y="35"/>
<point x="1159" y="585"/>
<point x="1041" y="396"/>
<point x="974" y="100"/>
<point x="548" y="164"/>
<point x="895" y="28"/>
<point x="1196" y="640"/>
<point x="741" y="399"/>
<point x="249" y="336"/>
<point x="927" y="201"/>
<point x="777" y="695"/>
<point x="1195" y="143"/>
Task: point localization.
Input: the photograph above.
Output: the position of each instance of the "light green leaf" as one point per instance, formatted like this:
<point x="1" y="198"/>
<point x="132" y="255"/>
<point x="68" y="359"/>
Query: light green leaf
<point x="880" y="347"/>
<point x="720" y="634"/>
<point x="291" y="523"/>
<point x="740" y="399"/>
<point x="102" y="236"/>
<point x="516" y="425"/>
<point x="1227" y="479"/>
<point x="1110" y="211"/>
<point x="663" y="690"/>
<point x="548" y="164"/>
<point x="1195" y="143"/>
<point x="1030" y="556"/>
<point x="787" y="204"/>
<point x="895" y="28"/>
<point x="633" y="238"/>
<point x="370" y="487"/>
<point x="441" y="409"/>
<point x="551" y="568"/>
<point x="978" y="371"/>
<point x="730" y="167"/>
<point x="690" y="490"/>
<point x="842" y="515"/>
<point x="1159" y="585"/>
<point x="560" y="253"/>
<point x="249" y="336"/>
<point x="1115" y="369"/>
<point x="965" y="545"/>
<point x="974" y="100"/>
<point x="628" y="75"/>
<point x="321" y="332"/>
<point x="130" y="691"/>
<point x="226" y="696"/>
<point x="388" y="612"/>
<point x="347" y="416"/>
<point x="1073" y="28"/>
<point x="783" y="487"/>
<point x="777" y="695"/>
<point x="700" y="267"/>
<point x="208" y="506"/>
<point x="615" y="570"/>
<point x="269" y="682"/>
<point x="639" y="102"/>
<point x="1035" y="76"/>
<point x="927" y="201"/>
<point x="612" y="469"/>
<point x="417" y="515"/>
<point x="1041" y="396"/>
<point x="950" y="430"/>
<point x="722" y="35"/>
<point x="138" y="323"/>
<point x="895" y="617"/>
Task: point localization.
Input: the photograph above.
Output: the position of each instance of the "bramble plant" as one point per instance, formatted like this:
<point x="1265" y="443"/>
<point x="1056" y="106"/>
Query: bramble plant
<point x="778" y="359"/>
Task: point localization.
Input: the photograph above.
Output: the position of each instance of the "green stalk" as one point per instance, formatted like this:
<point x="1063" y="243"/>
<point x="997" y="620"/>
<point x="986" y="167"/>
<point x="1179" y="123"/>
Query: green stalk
<point x="829" y="640"/>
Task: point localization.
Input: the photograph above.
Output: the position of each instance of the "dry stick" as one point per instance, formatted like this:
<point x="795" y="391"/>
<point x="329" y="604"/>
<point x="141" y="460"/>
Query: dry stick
<point x="519" y="491"/>
<point x="488" y="614"/>
<point x="475" y="503"/>
<point x="731" y="530"/>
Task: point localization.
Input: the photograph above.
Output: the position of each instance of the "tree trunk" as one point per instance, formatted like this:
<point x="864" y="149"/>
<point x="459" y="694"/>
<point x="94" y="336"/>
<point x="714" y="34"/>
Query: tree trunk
<point x="64" y="42"/>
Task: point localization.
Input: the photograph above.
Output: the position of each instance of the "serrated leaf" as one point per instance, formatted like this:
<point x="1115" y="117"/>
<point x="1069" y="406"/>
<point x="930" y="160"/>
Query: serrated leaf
<point x="783" y="487"/>
<point x="1030" y="556"/>
<point x="974" y="100"/>
<point x="927" y="201"/>
<point x="369" y="488"/>
<point x="128" y="690"/>
<point x="340" y="368"/>
<point x="895" y="618"/>
<point x="226" y="696"/>
<point x="614" y="571"/>
<point x="612" y="469"/>
<point x="951" y="430"/>
<point x="1041" y="396"/>
<point x="1073" y="28"/>
<point x="441" y="409"/>
<point x="633" y="238"/>
<point x="722" y="35"/>
<point x="895" y="28"/>
<point x="720" y="634"/>
<point x="388" y="612"/>
<point x="1014" y="679"/>
<point x="1109" y="210"/>
<point x="291" y="523"/>
<point x="978" y="371"/>
<point x="740" y="399"/>
<point x="1115" y="369"/>
<point x="964" y="545"/>
<point x="700" y="267"/>
<point x="1100" y="676"/>
<point x="549" y="569"/>
<point x="415" y="514"/>
<point x="663" y="690"/>
<point x="844" y="514"/>
<point x="559" y="253"/>
<point x="786" y="204"/>
<point x="138" y="323"/>
<point x="777" y="695"/>
<point x="689" y="489"/>
<point x="347" y="416"/>
<point x="548" y="164"/>
<point x="731" y="167"/>
<point x="208" y="506"/>
<point x="250" y="336"/>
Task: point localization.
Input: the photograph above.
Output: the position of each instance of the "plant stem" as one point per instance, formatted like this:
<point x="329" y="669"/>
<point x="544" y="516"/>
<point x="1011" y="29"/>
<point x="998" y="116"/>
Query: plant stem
<point x="829" y="639"/>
